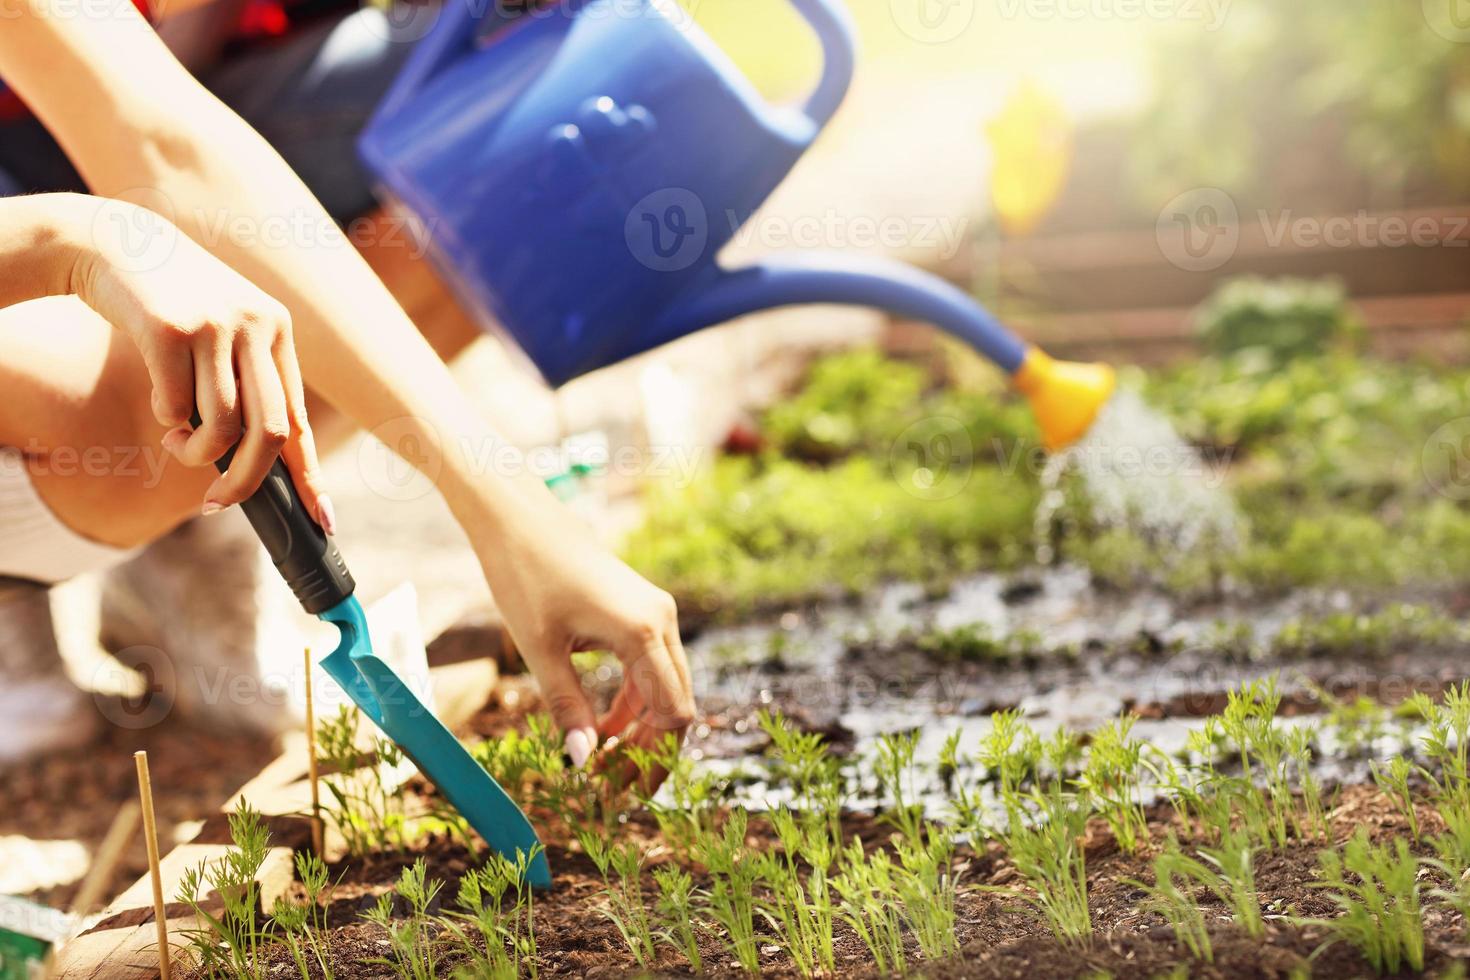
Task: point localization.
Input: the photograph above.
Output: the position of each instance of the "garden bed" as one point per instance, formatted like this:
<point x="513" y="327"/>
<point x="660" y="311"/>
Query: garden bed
<point x="923" y="749"/>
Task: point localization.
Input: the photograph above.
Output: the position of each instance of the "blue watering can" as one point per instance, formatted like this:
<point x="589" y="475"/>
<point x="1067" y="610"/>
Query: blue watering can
<point x="579" y="167"/>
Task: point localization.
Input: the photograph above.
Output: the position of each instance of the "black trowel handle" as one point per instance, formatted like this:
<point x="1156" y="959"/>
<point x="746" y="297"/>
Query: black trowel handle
<point x="306" y="558"/>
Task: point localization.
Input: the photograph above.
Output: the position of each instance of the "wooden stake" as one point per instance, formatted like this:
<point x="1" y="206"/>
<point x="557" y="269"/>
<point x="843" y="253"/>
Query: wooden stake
<point x="316" y="802"/>
<point x="150" y="837"/>
<point x="109" y="853"/>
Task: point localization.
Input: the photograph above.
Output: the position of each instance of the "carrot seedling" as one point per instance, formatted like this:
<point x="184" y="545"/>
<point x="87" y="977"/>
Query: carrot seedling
<point x="731" y="899"/>
<point x="302" y="925"/>
<point x="229" y="944"/>
<point x="675" y="907"/>
<point x="621" y="866"/>
<point x="801" y="913"/>
<point x="1377" y="889"/>
<point x="412" y="940"/>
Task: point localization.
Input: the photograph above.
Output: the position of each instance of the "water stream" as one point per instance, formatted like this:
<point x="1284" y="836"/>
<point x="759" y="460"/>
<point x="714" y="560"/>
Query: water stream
<point x="1136" y="472"/>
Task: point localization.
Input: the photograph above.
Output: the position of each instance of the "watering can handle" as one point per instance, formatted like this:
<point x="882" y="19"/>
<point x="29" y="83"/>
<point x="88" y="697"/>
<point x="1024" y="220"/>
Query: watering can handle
<point x="833" y="26"/>
<point x="451" y="37"/>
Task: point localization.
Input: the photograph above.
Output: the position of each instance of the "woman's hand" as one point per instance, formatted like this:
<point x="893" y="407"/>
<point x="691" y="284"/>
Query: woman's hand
<point x="562" y="593"/>
<point x="210" y="339"/>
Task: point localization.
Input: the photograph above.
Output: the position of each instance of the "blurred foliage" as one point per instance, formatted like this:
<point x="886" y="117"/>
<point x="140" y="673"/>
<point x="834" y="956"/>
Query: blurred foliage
<point x="1285" y="318"/>
<point x="861" y="401"/>
<point x="764" y="533"/>
<point x="1360" y="81"/>
<point x="1324" y="465"/>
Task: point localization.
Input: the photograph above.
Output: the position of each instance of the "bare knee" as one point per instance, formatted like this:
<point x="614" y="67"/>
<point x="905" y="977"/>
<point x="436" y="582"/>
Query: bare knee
<point x="78" y="407"/>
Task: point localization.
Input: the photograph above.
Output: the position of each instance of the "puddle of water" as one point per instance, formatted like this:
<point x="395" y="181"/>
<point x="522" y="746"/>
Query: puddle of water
<point x="1136" y="472"/>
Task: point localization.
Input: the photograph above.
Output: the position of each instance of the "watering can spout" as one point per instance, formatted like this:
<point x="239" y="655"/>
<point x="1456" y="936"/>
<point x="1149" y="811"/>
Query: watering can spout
<point x="1065" y="397"/>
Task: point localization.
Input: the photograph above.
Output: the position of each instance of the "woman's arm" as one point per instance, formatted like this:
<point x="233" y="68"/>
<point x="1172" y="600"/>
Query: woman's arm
<point x="137" y="124"/>
<point x="208" y="336"/>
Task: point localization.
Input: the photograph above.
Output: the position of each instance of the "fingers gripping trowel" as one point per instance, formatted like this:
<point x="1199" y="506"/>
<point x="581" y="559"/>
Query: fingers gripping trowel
<point x="313" y="567"/>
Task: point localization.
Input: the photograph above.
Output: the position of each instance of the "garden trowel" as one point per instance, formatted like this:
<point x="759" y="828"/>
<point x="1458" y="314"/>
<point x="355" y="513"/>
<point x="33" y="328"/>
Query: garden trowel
<point x="311" y="564"/>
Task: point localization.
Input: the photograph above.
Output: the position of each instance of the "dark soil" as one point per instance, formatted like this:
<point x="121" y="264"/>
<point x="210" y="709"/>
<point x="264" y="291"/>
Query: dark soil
<point x="999" y="937"/>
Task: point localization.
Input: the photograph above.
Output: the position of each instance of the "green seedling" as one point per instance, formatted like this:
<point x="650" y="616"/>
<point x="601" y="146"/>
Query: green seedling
<point x="869" y="906"/>
<point x="1011" y="753"/>
<point x="494" y="901"/>
<point x="228" y="941"/>
<point x="1393" y="780"/>
<point x="1049" y="855"/>
<point x="801" y="760"/>
<point x="532" y="768"/>
<point x="801" y="912"/>
<point x="1171" y="896"/>
<point x="621" y="866"/>
<point x="731" y="899"/>
<point x="1447" y="744"/>
<point x="687" y="807"/>
<point x="1377" y="889"/>
<point x="927" y="893"/>
<point x="412" y="939"/>
<point x="894" y="767"/>
<point x="302" y="925"/>
<point x="1112" y="779"/>
<point x="967" y="803"/>
<point x="367" y="806"/>
<point x="1229" y="871"/>
<point x="675" y="908"/>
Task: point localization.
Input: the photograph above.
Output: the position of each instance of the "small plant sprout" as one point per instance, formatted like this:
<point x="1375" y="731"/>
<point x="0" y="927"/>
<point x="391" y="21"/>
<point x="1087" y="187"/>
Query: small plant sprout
<point x="967" y="804"/>
<point x="1231" y="875"/>
<point x="506" y="929"/>
<point x="1393" y="778"/>
<point x="731" y="899"/>
<point x="1447" y="744"/>
<point x="894" y="766"/>
<point x="229" y="944"/>
<point x="621" y="866"/>
<point x="1010" y="751"/>
<point x="869" y="906"/>
<point x="688" y="804"/>
<point x="801" y="760"/>
<point x="802" y="914"/>
<point x="675" y="908"/>
<point x="302" y="926"/>
<point x="1171" y="896"/>
<point x="1377" y="889"/>
<point x="927" y="893"/>
<point x="1049" y="855"/>
<point x="412" y="940"/>
<point x="368" y="808"/>
<point x="1112" y="778"/>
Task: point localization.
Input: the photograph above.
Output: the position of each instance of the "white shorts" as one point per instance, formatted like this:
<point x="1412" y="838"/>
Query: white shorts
<point x="34" y="543"/>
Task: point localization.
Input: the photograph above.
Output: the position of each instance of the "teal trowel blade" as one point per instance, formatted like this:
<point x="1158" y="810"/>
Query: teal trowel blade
<point x="387" y="700"/>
